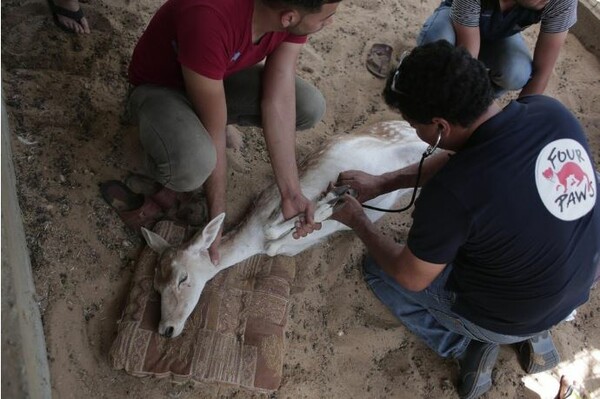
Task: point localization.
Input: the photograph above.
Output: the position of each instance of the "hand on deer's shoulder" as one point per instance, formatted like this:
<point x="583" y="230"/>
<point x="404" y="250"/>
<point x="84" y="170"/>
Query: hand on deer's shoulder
<point x="213" y="250"/>
<point x="216" y="205"/>
<point x="365" y="185"/>
<point x="350" y="212"/>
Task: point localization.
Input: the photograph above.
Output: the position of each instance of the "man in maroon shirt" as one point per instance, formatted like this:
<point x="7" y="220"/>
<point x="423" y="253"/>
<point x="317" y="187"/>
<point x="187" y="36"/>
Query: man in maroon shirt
<point x="196" y="69"/>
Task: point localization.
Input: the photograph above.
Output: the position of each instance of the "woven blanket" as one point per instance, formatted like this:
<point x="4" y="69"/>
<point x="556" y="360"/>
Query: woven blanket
<point x="234" y="336"/>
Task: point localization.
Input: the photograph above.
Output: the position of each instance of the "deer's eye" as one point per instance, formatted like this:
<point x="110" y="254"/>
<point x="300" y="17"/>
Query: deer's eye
<point x="182" y="279"/>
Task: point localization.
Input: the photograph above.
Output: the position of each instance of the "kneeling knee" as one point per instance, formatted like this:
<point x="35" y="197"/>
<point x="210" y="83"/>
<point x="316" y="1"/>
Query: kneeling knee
<point x="191" y="173"/>
<point x="513" y="79"/>
<point x="310" y="111"/>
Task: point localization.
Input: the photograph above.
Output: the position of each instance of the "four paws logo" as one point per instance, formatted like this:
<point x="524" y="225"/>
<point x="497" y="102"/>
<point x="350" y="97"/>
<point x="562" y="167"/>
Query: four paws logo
<point x="565" y="179"/>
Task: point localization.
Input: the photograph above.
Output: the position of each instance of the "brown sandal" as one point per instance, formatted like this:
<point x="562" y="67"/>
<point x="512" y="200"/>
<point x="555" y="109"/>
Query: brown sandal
<point x="187" y="208"/>
<point x="163" y="196"/>
<point x="136" y="210"/>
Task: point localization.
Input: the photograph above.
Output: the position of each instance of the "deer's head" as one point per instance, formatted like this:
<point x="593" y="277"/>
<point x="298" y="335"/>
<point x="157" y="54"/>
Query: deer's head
<point x="181" y="274"/>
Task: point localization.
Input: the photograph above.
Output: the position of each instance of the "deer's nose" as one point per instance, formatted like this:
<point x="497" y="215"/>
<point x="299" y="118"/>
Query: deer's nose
<point x="169" y="332"/>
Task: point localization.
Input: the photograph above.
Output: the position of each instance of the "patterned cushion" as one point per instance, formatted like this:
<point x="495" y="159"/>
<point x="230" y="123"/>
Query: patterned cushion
<point x="234" y="336"/>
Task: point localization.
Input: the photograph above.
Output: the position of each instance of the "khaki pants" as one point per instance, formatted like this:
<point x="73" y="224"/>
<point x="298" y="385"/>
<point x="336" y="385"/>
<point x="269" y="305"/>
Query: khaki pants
<point x="179" y="151"/>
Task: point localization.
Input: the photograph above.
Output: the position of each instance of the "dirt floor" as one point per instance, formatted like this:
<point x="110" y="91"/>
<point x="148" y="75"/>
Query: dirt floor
<point x="65" y="97"/>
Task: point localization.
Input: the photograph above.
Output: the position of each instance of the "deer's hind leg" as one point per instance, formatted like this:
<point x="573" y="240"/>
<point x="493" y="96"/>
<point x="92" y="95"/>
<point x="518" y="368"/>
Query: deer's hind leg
<point x="290" y="246"/>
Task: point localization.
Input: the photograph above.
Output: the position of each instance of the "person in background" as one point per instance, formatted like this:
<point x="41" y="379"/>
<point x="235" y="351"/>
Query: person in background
<point x="490" y="30"/>
<point x="68" y="16"/>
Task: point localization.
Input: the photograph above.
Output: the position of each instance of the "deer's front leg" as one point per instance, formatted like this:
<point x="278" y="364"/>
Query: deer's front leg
<point x="289" y="246"/>
<point x="323" y="210"/>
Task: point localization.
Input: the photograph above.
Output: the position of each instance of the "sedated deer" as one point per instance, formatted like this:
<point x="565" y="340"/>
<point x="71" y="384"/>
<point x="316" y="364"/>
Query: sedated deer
<point x="183" y="272"/>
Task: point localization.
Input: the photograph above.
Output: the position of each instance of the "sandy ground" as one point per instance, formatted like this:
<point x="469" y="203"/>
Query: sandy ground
<point x="65" y="97"/>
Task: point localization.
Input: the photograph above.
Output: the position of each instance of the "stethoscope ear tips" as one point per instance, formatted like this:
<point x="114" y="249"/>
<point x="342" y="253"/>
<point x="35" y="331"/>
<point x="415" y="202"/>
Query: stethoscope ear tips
<point x="434" y="147"/>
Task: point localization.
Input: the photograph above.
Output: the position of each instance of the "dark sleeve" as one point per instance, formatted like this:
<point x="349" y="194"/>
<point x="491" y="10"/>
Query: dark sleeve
<point x="440" y="225"/>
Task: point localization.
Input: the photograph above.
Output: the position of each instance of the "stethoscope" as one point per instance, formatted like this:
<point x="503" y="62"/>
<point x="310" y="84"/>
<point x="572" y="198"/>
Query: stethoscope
<point x="428" y="151"/>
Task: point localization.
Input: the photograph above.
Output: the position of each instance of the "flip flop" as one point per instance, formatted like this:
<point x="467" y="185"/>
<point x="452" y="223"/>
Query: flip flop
<point x="136" y="210"/>
<point x="76" y="16"/>
<point x="378" y="59"/>
<point x="538" y="354"/>
<point x="568" y="390"/>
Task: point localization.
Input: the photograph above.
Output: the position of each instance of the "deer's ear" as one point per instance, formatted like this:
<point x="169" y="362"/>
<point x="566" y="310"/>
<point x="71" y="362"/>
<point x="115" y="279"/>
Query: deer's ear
<point x="204" y="239"/>
<point x="154" y="241"/>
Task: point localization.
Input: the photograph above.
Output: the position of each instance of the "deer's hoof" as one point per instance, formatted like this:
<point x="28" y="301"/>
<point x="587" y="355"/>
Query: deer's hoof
<point x="277" y="231"/>
<point x="272" y="249"/>
<point x="271" y="233"/>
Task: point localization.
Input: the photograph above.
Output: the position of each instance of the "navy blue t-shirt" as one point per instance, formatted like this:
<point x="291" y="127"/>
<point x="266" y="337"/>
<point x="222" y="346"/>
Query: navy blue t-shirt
<point x="516" y="212"/>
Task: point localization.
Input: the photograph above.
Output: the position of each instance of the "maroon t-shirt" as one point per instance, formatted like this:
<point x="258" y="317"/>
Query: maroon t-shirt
<point x="211" y="37"/>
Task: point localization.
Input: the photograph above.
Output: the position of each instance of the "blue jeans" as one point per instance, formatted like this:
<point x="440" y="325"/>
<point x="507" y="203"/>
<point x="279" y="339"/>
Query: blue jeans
<point x="428" y="313"/>
<point x="508" y="59"/>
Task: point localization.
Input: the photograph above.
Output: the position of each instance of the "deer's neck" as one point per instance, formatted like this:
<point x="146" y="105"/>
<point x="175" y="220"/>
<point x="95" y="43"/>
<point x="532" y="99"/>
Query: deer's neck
<point x="241" y="243"/>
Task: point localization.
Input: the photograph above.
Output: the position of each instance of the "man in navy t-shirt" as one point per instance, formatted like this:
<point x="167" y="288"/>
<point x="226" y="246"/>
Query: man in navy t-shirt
<point x="505" y="242"/>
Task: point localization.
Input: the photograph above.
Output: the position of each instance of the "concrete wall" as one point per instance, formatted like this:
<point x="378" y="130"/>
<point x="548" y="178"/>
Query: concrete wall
<point x="587" y="28"/>
<point x="25" y="372"/>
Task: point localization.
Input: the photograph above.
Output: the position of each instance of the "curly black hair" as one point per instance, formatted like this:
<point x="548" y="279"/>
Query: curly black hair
<point x="440" y="80"/>
<point x="308" y="5"/>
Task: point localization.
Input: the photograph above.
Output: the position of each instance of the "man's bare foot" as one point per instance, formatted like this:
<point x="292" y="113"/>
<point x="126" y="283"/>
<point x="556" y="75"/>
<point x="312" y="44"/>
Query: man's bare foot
<point x="65" y="16"/>
<point x="234" y="138"/>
